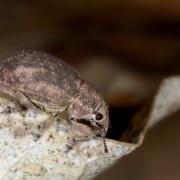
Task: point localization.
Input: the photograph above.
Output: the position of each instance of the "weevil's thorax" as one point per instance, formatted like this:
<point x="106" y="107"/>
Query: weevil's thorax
<point x="87" y="103"/>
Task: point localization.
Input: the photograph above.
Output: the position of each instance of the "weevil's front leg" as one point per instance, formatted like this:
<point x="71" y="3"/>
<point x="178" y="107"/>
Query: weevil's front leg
<point x="23" y="102"/>
<point x="73" y="142"/>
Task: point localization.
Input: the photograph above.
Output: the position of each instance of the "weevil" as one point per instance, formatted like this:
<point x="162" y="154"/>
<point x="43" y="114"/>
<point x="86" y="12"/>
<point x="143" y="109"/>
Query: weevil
<point x="38" y="80"/>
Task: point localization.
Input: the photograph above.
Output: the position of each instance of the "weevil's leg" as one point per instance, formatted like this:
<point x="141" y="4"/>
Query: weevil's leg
<point x="24" y="102"/>
<point x="18" y="105"/>
<point x="83" y="139"/>
<point x="73" y="142"/>
<point x="38" y="131"/>
<point x="10" y="96"/>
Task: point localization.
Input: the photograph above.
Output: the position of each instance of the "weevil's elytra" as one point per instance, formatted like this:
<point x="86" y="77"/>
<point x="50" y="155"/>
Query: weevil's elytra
<point x="42" y="75"/>
<point x="37" y="79"/>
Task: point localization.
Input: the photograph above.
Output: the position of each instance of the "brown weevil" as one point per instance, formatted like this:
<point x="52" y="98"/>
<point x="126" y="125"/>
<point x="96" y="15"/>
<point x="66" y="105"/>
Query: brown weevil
<point x="38" y="80"/>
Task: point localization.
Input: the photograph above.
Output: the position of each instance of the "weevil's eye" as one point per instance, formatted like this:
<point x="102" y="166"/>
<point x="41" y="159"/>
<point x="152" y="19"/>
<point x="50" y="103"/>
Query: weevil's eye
<point x="99" y="116"/>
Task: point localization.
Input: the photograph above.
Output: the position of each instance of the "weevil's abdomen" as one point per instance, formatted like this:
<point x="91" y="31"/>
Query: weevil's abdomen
<point x="40" y="76"/>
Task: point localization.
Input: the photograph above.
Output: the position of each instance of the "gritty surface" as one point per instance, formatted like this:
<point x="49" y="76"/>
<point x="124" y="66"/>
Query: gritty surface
<point x="24" y="157"/>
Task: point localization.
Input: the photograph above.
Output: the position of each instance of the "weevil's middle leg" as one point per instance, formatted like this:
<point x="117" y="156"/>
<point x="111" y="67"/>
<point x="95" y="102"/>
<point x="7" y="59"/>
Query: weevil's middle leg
<point x="38" y="131"/>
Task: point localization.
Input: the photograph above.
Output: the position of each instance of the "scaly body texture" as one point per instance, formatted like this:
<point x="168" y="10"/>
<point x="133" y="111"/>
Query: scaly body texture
<point x="41" y="80"/>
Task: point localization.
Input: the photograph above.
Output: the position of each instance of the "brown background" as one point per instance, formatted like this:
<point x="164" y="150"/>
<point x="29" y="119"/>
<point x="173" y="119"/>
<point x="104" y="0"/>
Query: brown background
<point x="125" y="47"/>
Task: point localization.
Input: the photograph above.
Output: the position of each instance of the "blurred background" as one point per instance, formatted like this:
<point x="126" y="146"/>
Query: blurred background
<point x="125" y="48"/>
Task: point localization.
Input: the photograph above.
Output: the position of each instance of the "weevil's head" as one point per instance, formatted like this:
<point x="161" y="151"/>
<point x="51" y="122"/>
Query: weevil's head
<point x="89" y="106"/>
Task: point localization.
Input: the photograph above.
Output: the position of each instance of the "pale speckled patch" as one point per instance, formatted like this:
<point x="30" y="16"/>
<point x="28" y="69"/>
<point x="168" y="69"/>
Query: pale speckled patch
<point x="47" y="158"/>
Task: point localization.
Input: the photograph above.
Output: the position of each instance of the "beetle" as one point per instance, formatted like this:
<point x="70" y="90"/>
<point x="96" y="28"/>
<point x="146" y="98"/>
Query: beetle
<point x="38" y="80"/>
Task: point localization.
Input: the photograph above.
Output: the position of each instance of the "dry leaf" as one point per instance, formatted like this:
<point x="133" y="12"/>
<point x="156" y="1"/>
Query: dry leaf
<point x="25" y="156"/>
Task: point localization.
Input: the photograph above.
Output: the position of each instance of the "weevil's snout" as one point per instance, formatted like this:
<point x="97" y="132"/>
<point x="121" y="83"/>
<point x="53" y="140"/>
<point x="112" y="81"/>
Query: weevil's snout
<point x="101" y="133"/>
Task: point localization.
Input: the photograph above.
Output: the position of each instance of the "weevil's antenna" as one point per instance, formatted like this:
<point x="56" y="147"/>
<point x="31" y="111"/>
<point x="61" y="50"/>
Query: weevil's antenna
<point x="100" y="106"/>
